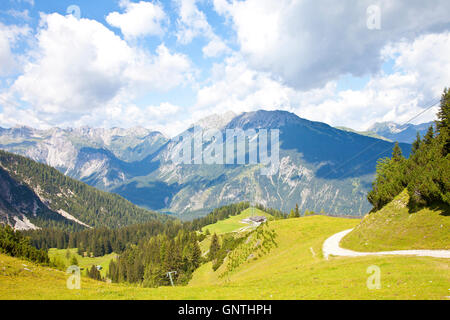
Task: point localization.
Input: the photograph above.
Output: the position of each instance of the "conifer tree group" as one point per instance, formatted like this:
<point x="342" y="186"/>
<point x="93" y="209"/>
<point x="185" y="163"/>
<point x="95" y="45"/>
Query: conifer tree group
<point x="425" y="174"/>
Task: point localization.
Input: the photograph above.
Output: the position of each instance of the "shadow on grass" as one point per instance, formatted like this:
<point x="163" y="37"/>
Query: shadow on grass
<point x="436" y="206"/>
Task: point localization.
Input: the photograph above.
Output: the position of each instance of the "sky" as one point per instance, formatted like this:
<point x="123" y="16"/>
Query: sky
<point x="164" y="65"/>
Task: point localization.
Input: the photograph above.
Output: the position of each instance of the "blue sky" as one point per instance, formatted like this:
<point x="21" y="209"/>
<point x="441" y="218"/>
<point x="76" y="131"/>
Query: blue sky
<point x="166" y="64"/>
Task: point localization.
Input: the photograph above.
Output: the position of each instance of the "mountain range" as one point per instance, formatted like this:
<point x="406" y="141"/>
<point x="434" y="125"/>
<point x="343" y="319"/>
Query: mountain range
<point x="321" y="168"/>
<point x="406" y="133"/>
<point x="34" y="195"/>
<point x="391" y="131"/>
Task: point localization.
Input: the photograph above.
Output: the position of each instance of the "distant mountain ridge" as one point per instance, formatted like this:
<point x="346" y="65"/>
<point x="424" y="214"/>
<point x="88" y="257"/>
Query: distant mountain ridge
<point x="34" y="195"/>
<point x="406" y="133"/>
<point x="321" y="167"/>
<point x="96" y="156"/>
<point x="317" y="171"/>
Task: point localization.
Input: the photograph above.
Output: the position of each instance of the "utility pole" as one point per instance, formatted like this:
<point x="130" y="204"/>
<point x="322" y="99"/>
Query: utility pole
<point x="169" y="274"/>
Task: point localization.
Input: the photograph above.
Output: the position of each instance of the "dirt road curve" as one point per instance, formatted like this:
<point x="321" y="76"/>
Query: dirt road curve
<point x="331" y="247"/>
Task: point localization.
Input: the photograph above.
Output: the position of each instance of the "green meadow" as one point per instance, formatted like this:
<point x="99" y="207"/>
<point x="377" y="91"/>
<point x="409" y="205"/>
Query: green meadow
<point x="233" y="223"/>
<point x="63" y="257"/>
<point x="397" y="227"/>
<point x="293" y="269"/>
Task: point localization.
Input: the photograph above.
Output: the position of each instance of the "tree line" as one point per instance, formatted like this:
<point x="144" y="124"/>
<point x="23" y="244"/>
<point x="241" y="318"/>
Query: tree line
<point x="425" y="174"/>
<point x="148" y="251"/>
<point x="15" y="244"/>
<point x="149" y="262"/>
<point x="100" y="241"/>
<point x="94" y="207"/>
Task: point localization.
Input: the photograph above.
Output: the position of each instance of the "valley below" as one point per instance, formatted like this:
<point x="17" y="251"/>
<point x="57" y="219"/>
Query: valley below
<point x="295" y="269"/>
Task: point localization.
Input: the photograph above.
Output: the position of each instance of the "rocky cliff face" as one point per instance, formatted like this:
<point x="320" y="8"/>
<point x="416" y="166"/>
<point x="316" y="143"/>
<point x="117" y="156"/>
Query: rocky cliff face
<point x="91" y="155"/>
<point x="19" y="204"/>
<point x="320" y="167"/>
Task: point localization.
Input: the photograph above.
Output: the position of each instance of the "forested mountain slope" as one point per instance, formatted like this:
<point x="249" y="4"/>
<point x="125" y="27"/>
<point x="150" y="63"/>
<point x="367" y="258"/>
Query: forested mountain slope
<point x="39" y="195"/>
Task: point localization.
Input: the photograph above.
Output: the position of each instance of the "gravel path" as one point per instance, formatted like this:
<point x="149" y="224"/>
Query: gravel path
<point x="331" y="247"/>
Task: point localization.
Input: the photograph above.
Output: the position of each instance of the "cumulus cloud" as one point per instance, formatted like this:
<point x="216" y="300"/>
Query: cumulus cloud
<point x="419" y="76"/>
<point x="30" y="2"/>
<point x="308" y="43"/>
<point x="9" y="37"/>
<point x="22" y="15"/>
<point x="155" y="117"/>
<point x="292" y="56"/>
<point x="139" y="19"/>
<point x="216" y="47"/>
<point x="80" y="66"/>
<point x="192" y="23"/>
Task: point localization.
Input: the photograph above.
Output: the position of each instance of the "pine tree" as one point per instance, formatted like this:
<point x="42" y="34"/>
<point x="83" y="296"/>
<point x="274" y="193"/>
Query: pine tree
<point x="292" y="214"/>
<point x="94" y="273"/>
<point x="443" y="122"/>
<point x="397" y="153"/>
<point x="74" y="261"/>
<point x="214" y="247"/>
<point x="429" y="136"/>
<point x="416" y="144"/>
<point x="196" y="255"/>
<point x="297" y="212"/>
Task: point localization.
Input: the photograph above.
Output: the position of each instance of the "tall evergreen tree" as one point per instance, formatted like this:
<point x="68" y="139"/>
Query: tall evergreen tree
<point x="196" y="255"/>
<point x="416" y="144"/>
<point x="292" y="214"/>
<point x="214" y="247"/>
<point x="297" y="211"/>
<point x="73" y="261"/>
<point x="397" y="153"/>
<point x="429" y="136"/>
<point x="443" y="122"/>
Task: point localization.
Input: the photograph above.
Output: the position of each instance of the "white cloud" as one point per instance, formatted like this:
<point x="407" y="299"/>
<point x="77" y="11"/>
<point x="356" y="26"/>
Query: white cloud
<point x="160" y="117"/>
<point x="9" y="36"/>
<point x="236" y="87"/>
<point x="292" y="54"/>
<point x="421" y="73"/>
<point x="79" y="67"/>
<point x="23" y="15"/>
<point x="192" y="23"/>
<point x="140" y="19"/>
<point x="309" y="43"/>
<point x="30" y="2"/>
<point x="216" y="47"/>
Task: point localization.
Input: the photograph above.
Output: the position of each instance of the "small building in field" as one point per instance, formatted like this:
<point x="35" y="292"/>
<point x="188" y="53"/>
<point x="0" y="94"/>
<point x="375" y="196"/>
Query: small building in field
<point x="258" y="219"/>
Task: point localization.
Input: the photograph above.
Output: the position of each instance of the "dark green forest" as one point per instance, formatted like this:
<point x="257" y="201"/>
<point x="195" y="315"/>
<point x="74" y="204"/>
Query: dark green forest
<point x="101" y="241"/>
<point x="425" y="174"/>
<point x="15" y="244"/>
<point x="88" y="204"/>
<point x="148" y="251"/>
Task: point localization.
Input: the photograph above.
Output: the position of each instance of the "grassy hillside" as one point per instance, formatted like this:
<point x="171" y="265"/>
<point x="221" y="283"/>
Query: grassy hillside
<point x="233" y="223"/>
<point x="60" y="256"/>
<point x="396" y="227"/>
<point x="295" y="269"/>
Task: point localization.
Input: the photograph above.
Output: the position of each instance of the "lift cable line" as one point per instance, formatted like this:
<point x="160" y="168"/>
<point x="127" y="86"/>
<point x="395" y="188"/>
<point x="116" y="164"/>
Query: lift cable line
<point x="376" y="157"/>
<point x="434" y="103"/>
